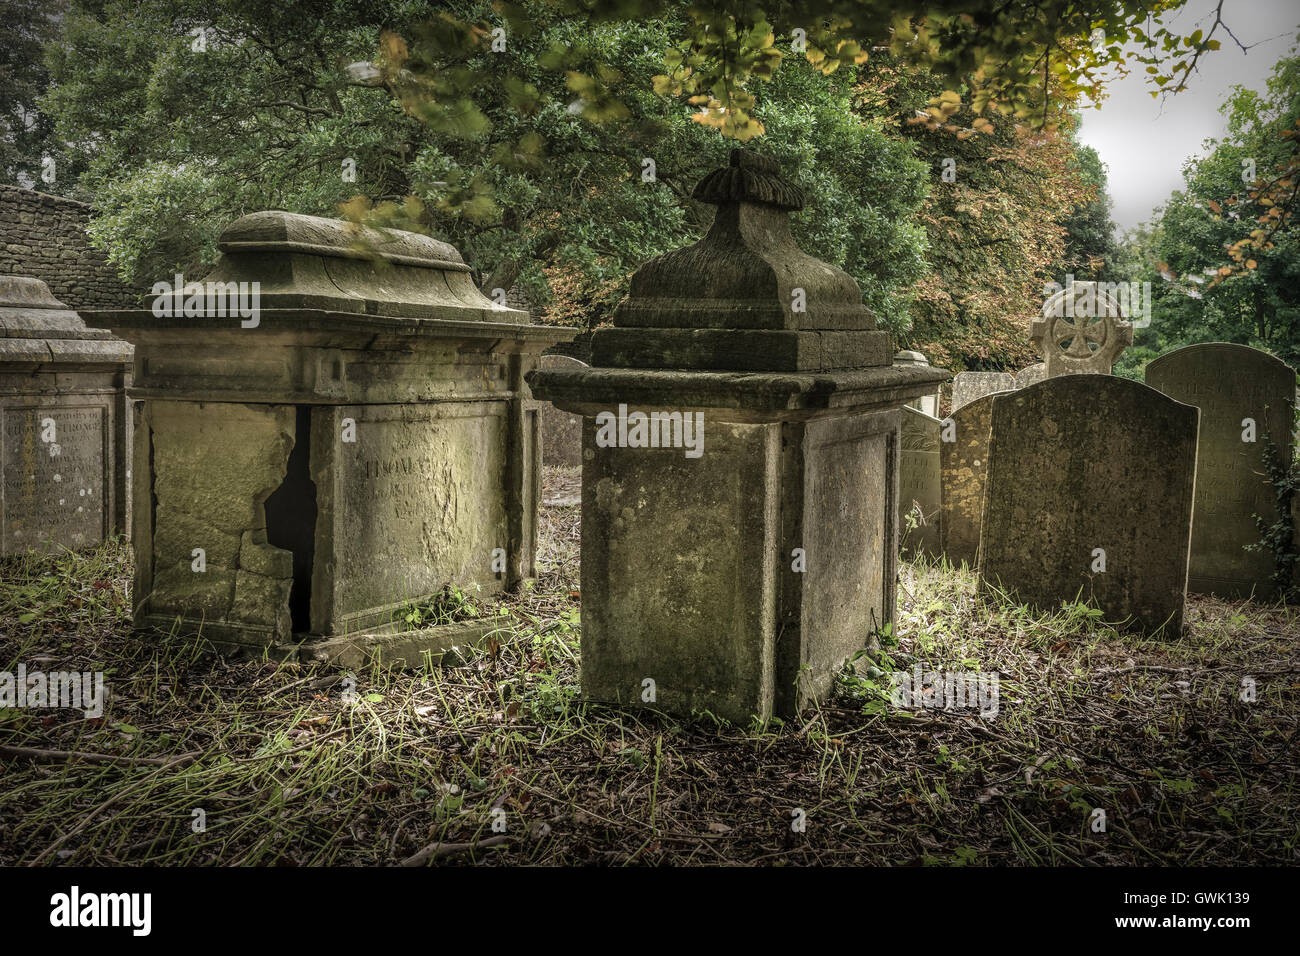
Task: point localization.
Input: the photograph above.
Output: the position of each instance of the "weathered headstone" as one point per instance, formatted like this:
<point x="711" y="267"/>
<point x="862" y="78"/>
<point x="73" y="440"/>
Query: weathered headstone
<point x="561" y="431"/>
<point x="1089" y="494"/>
<point x="964" y="465"/>
<point x="1244" y="395"/>
<point x="919" y="501"/>
<point x="1081" y="331"/>
<point x="737" y="572"/>
<point x="1031" y="375"/>
<point x="968" y="386"/>
<point x="64" y="427"/>
<point x="346" y="443"/>
<point x="928" y="403"/>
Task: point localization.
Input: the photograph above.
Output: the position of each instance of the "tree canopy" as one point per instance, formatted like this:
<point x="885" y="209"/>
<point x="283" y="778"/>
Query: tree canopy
<point x="1224" y="253"/>
<point x="26" y="132"/>
<point x="556" y="142"/>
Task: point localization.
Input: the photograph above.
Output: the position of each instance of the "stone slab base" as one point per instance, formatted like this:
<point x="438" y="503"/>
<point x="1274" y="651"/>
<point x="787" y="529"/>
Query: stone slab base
<point x="399" y="649"/>
<point x="405" y="649"/>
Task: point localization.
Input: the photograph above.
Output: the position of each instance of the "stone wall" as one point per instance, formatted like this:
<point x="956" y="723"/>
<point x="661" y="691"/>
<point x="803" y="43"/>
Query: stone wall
<point x="45" y="236"/>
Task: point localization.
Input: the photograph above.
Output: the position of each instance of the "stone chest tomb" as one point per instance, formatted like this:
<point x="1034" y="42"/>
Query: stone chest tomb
<point x="364" y="441"/>
<point x="737" y="571"/>
<point x="63" y="424"/>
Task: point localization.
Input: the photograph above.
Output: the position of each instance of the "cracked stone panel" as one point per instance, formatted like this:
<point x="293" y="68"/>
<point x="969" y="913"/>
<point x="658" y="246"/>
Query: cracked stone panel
<point x="214" y="466"/>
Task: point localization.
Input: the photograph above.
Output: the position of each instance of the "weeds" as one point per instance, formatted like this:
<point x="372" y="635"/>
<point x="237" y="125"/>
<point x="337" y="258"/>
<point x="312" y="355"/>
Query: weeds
<point x="265" y="762"/>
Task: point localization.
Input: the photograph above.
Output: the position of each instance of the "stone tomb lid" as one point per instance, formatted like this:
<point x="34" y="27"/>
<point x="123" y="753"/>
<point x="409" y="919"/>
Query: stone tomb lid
<point x="328" y="275"/>
<point x="37" y="327"/>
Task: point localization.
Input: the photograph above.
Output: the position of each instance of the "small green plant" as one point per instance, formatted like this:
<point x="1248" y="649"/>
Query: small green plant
<point x="912" y="517"/>
<point x="451" y="605"/>
<point x="947" y="761"/>
<point x="868" y="684"/>
<point x="965" y="856"/>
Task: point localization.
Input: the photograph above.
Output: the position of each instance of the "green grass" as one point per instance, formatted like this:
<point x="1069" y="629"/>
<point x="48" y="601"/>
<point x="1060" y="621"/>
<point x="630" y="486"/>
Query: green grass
<point x="288" y="769"/>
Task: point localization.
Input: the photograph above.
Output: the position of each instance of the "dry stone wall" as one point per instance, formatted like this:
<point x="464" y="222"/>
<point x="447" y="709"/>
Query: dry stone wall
<point x="45" y="237"/>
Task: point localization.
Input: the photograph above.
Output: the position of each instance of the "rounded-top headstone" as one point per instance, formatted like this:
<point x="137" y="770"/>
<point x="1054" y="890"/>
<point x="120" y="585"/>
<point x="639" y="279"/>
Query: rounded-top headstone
<point x="1086" y="506"/>
<point x="1246" y="400"/>
<point x="1031" y="375"/>
<point x="968" y="386"/>
<point x="964" y="468"/>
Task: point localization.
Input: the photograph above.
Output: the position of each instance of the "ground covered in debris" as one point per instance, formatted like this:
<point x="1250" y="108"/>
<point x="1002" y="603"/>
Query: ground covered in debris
<point x="288" y="769"/>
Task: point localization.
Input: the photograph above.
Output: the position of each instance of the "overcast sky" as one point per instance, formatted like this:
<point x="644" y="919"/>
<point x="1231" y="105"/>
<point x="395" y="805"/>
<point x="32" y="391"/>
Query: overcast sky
<point x="1144" y="141"/>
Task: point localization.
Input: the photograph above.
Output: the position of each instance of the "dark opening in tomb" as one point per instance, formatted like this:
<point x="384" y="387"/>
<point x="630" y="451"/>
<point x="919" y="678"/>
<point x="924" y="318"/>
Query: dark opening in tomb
<point x="291" y="520"/>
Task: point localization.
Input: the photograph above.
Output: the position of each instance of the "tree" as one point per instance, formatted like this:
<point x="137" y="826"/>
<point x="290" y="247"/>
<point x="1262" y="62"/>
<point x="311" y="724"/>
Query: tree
<point x="26" y="133"/>
<point x="189" y="114"/>
<point x="1211" y="283"/>
<point x="1090" y="248"/>
<point x="1027" y="61"/>
<point x="995" y="219"/>
<point x="1019" y="58"/>
<point x="521" y="132"/>
<point x="268" y="113"/>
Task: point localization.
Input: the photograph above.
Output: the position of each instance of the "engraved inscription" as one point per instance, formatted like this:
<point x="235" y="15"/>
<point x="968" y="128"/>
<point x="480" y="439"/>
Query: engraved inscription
<point x="422" y="509"/>
<point x="53" y="478"/>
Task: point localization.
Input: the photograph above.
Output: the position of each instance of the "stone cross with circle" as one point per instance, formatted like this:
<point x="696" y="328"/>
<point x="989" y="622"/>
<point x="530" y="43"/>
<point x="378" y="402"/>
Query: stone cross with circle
<point x="1081" y="331"/>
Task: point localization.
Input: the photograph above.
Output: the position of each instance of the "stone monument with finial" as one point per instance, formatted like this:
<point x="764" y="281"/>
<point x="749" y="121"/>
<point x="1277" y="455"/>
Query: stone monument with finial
<point x="740" y="467"/>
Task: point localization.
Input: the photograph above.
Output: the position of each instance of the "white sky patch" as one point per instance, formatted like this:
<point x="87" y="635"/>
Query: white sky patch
<point x="1144" y="142"/>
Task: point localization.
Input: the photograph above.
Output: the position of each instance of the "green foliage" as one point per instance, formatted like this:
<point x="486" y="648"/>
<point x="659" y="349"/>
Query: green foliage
<point x="177" y="141"/>
<point x="866" y="681"/>
<point x="1014" y="54"/>
<point x="451" y="605"/>
<point x="26" y="132"/>
<point x="995" y="221"/>
<point x="523" y="180"/>
<point x="1210" y="284"/>
<point x="1090" y="247"/>
<point x="1277" y="531"/>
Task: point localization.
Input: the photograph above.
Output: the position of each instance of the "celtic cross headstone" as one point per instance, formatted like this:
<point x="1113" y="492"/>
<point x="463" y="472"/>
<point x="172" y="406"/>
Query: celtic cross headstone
<point x="1081" y="331"/>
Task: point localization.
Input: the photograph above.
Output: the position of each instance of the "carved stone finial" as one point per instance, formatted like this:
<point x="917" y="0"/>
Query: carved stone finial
<point x="745" y="296"/>
<point x="750" y="177"/>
